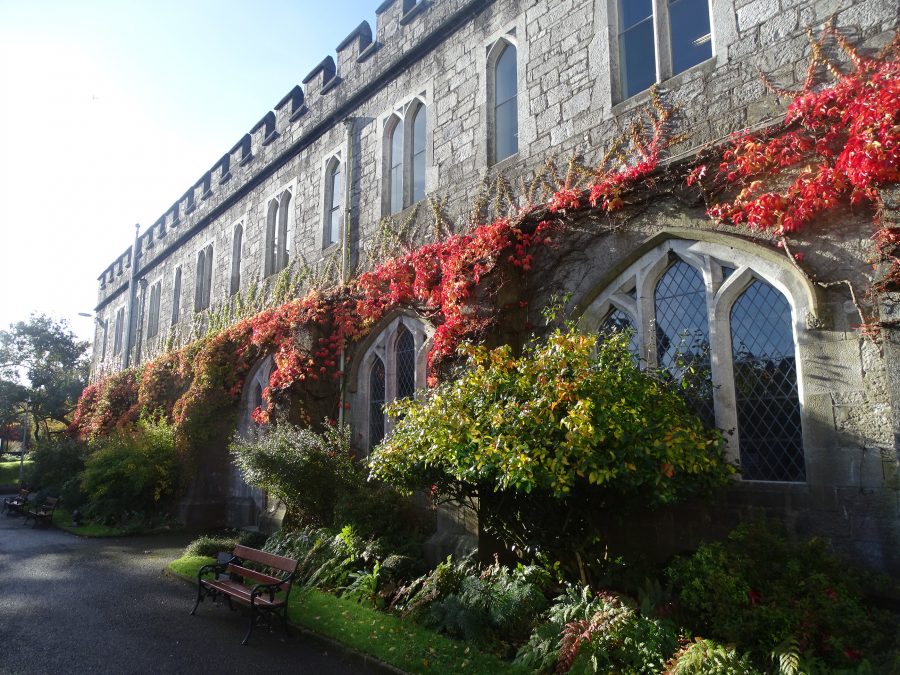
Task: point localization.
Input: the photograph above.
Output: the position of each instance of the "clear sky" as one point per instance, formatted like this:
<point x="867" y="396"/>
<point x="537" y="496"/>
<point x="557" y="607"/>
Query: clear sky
<point x="111" y="109"/>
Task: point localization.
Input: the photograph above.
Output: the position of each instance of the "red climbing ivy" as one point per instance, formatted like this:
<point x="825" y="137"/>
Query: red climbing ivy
<point x="838" y="144"/>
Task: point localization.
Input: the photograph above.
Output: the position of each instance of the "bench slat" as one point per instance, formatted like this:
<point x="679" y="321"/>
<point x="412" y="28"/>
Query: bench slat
<point x="253" y="574"/>
<point x="268" y="559"/>
<point x="240" y="592"/>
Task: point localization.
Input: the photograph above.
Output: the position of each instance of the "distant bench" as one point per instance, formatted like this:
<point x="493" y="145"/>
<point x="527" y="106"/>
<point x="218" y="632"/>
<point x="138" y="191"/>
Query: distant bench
<point x="233" y="578"/>
<point x="43" y="514"/>
<point x="18" y="503"/>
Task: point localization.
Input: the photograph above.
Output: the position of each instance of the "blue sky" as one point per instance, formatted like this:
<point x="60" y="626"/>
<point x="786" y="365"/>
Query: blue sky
<point x="110" y="110"/>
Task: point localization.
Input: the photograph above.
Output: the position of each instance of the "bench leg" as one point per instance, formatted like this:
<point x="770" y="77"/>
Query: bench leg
<point x="199" y="598"/>
<point x="253" y="619"/>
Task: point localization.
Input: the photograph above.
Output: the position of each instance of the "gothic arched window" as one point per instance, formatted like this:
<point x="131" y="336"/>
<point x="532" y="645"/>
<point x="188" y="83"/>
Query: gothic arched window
<point x="504" y="112"/>
<point x="334" y="199"/>
<point x="236" y="245"/>
<point x="417" y="151"/>
<point x="721" y="322"/>
<point x="376" y="402"/>
<point x="395" y="164"/>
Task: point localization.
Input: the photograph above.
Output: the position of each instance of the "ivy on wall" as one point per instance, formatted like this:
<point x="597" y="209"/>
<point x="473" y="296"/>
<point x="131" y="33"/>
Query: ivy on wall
<point x="842" y="142"/>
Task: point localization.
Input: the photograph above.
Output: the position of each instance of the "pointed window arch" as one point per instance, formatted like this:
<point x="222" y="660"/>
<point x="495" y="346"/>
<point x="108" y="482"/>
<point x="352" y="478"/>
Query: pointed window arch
<point x="277" y="241"/>
<point x="376" y="402"/>
<point x="395" y="164"/>
<point x="203" y="279"/>
<point x="504" y="103"/>
<point x="334" y="200"/>
<point x="405" y="359"/>
<point x="392" y="366"/>
<point x="722" y="320"/>
<point x="417" y="159"/>
<point x="236" y="246"/>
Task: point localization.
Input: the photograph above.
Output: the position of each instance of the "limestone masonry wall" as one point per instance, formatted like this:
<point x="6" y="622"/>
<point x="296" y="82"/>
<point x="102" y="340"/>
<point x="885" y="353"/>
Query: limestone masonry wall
<point x="437" y="53"/>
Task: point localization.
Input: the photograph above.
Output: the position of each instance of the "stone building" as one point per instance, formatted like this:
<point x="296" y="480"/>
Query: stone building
<point x="442" y="98"/>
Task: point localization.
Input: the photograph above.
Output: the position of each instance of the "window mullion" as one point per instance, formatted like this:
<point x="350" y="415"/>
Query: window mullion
<point x="662" y="38"/>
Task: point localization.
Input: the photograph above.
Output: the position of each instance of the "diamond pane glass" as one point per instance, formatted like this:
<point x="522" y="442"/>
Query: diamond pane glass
<point x="682" y="336"/>
<point x="376" y="403"/>
<point x="618" y="321"/>
<point x="406" y="364"/>
<point x="765" y="381"/>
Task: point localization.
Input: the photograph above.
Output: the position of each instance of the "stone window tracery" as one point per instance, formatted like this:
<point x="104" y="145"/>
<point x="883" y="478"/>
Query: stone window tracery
<point x="405" y="144"/>
<point x="393" y="366"/>
<point x="203" y="279"/>
<point x="277" y="235"/>
<point x="724" y="324"/>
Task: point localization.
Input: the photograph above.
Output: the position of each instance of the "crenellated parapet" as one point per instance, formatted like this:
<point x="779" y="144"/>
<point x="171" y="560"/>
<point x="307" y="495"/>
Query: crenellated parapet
<point x="365" y="61"/>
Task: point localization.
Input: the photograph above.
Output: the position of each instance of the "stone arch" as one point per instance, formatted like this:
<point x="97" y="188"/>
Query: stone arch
<point x="729" y="267"/>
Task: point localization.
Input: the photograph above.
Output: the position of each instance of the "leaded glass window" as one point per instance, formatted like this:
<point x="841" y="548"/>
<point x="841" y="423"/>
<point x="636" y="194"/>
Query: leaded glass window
<point x="618" y="321"/>
<point x="682" y="335"/>
<point x="406" y="364"/>
<point x="765" y="383"/>
<point x="376" y="402"/>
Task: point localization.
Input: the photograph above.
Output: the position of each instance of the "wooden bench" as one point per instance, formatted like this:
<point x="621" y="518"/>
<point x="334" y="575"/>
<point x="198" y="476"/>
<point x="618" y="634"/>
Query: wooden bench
<point x="233" y="579"/>
<point x="16" y="504"/>
<point x="44" y="513"/>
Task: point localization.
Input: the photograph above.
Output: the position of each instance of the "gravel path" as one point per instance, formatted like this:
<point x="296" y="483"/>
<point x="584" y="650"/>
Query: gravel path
<point x="72" y="605"/>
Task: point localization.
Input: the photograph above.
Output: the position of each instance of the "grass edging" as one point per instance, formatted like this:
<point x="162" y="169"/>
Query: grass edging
<point x="382" y="638"/>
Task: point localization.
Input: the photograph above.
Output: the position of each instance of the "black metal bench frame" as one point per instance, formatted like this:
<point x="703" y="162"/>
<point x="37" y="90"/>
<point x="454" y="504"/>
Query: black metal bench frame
<point x="261" y="597"/>
<point x="43" y="513"/>
<point x="18" y="503"/>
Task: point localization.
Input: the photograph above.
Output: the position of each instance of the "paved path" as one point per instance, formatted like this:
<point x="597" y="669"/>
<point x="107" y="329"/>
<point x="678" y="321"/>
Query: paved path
<point x="72" y="605"/>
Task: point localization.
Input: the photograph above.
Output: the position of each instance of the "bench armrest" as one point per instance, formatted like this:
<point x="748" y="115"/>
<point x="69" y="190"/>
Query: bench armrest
<point x="271" y="589"/>
<point x="214" y="568"/>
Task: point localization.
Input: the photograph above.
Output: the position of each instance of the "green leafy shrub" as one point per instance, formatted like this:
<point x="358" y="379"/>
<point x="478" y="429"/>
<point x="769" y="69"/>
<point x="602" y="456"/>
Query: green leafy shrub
<point x="588" y="632"/>
<point x="707" y="657"/>
<point x="56" y="467"/>
<point x="497" y="604"/>
<point x="133" y="475"/>
<point x="546" y="439"/>
<point x="757" y="591"/>
<point x="306" y="470"/>
<point x="209" y="545"/>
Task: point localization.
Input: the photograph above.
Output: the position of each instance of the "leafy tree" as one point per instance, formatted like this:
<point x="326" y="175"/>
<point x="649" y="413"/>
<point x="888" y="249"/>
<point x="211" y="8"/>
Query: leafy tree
<point x="41" y="360"/>
<point x="545" y="444"/>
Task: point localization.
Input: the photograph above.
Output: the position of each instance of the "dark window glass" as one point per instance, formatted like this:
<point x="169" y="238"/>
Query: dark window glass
<point x="396" y="164"/>
<point x="406" y="364"/>
<point x="271" y="250"/>
<point x="618" y="321"/>
<point x="689" y="33"/>
<point x="637" y="52"/>
<point x="236" y="259"/>
<point x="376" y="403"/>
<point x="682" y="335"/>
<point x="176" y="296"/>
<point x="765" y="381"/>
<point x="418" y="155"/>
<point x="333" y="208"/>
<point x="281" y="253"/>
<point x="506" y="124"/>
<point x="120" y="330"/>
<point x="198" y="281"/>
<point x="153" y="310"/>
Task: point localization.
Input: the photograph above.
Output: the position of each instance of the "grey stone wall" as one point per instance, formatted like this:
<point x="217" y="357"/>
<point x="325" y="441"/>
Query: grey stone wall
<point x="567" y="104"/>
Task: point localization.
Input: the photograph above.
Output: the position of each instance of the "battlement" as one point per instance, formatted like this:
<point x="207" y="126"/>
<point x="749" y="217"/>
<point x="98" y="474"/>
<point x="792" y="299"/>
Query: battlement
<point x="325" y="96"/>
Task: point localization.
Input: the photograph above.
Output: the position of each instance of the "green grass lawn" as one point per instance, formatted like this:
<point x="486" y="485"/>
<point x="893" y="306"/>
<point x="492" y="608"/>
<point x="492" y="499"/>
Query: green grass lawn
<point x="9" y="472"/>
<point x="403" y="644"/>
<point x="62" y="518"/>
